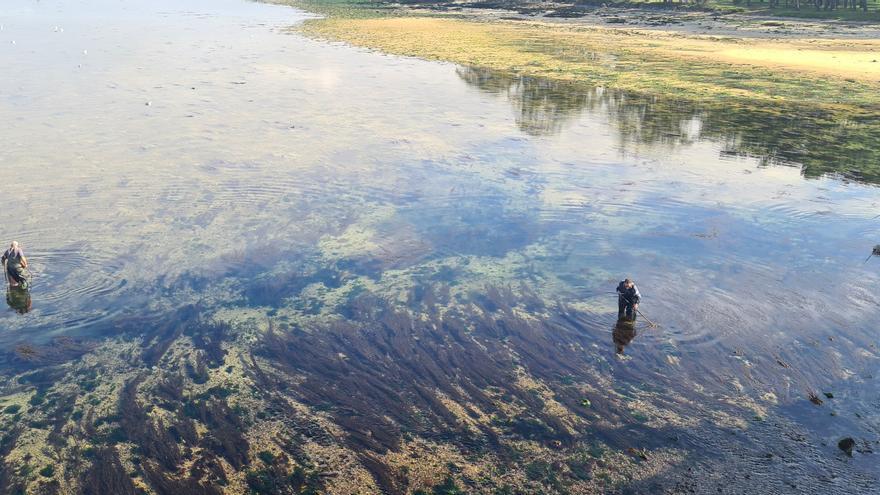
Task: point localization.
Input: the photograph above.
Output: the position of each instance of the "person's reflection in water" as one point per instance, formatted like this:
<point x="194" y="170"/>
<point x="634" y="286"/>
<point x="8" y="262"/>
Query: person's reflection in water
<point x="624" y="332"/>
<point x="18" y="299"/>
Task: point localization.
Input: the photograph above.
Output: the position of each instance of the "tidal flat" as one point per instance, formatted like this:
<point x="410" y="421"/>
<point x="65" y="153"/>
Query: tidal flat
<point x="269" y="264"/>
<point x="827" y="71"/>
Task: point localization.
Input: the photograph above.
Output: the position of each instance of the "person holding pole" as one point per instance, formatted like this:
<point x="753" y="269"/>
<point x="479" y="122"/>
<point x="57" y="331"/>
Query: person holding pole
<point x="628" y="299"/>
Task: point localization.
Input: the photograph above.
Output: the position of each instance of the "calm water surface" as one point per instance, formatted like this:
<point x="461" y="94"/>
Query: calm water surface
<point x="160" y="154"/>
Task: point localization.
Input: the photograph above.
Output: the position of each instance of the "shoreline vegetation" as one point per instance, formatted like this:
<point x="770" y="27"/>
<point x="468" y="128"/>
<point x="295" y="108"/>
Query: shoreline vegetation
<point x="842" y="74"/>
<point x="758" y="86"/>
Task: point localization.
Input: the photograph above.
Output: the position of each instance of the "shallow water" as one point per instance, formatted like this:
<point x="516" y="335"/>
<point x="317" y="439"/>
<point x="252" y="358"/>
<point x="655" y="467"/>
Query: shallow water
<point x="170" y="154"/>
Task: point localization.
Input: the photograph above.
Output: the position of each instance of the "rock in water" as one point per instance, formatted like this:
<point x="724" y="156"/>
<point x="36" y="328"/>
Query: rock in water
<point x="847" y="445"/>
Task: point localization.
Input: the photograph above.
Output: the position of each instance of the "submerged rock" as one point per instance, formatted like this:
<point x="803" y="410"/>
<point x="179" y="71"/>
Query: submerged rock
<point x="639" y="453"/>
<point x="847" y="445"/>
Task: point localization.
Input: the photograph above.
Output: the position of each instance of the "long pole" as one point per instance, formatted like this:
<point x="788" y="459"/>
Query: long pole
<point x="645" y="317"/>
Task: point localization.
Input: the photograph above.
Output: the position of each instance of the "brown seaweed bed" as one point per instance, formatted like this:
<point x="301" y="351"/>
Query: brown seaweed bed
<point x="507" y="396"/>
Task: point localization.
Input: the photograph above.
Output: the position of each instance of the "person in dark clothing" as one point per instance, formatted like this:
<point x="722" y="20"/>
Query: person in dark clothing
<point x="628" y="299"/>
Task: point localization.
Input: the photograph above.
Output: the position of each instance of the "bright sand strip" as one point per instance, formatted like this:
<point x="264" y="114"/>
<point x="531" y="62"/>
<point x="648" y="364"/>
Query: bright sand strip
<point x="860" y="62"/>
<point x="831" y="72"/>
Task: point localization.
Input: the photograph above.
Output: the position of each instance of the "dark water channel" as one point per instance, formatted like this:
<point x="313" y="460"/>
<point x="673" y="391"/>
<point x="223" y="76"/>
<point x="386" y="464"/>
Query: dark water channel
<point x="413" y="234"/>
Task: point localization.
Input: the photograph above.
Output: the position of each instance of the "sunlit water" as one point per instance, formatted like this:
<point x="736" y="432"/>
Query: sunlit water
<point x="157" y="154"/>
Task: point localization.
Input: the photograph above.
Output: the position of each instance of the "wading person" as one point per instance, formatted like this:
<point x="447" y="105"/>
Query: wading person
<point x="15" y="264"/>
<point x="628" y="299"/>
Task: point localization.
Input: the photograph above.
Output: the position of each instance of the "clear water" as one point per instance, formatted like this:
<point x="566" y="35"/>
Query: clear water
<point x="162" y="154"/>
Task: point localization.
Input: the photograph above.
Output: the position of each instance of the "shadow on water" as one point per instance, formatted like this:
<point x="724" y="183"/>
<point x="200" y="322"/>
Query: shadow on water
<point x="818" y="141"/>
<point x="19" y="300"/>
<point x="623" y="334"/>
